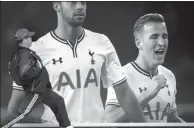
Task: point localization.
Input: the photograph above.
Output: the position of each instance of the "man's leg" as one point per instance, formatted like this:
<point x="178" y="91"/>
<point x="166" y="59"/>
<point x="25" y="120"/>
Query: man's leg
<point x="29" y="101"/>
<point x="15" y="100"/>
<point x="17" y="97"/>
<point x="57" y="105"/>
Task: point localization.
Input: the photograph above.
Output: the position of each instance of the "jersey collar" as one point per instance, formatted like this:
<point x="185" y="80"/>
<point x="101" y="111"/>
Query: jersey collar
<point x="142" y="71"/>
<point x="80" y="38"/>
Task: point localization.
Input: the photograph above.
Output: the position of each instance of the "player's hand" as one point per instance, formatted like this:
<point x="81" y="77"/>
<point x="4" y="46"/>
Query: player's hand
<point x="160" y="81"/>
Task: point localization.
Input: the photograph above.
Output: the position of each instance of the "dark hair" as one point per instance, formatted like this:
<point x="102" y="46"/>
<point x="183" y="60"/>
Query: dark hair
<point x="151" y="17"/>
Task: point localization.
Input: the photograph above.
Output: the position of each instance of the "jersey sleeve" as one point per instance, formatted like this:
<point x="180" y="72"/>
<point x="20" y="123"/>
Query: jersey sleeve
<point x="17" y="87"/>
<point x="37" y="48"/>
<point x="111" y="95"/>
<point x="29" y="67"/>
<point x="112" y="72"/>
<point x="173" y="106"/>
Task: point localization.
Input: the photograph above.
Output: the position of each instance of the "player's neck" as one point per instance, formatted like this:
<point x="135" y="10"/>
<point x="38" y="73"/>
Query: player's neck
<point x="146" y="66"/>
<point x="67" y="32"/>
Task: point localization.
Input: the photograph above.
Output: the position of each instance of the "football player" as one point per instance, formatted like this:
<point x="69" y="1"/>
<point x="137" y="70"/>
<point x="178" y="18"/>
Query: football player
<point x="76" y="60"/>
<point x="153" y="84"/>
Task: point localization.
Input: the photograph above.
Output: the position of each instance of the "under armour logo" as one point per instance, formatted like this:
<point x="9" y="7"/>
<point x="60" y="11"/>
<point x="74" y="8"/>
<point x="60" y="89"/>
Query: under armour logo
<point x="60" y="60"/>
<point x="168" y="89"/>
<point x="91" y="54"/>
<point x="142" y="89"/>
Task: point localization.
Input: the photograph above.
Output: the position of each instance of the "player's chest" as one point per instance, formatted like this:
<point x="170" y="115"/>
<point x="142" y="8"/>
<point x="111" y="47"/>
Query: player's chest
<point x="165" y="95"/>
<point x="79" y="56"/>
<point x="158" y="107"/>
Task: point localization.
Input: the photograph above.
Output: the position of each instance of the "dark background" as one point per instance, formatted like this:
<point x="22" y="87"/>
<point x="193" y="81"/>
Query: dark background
<point x="116" y="20"/>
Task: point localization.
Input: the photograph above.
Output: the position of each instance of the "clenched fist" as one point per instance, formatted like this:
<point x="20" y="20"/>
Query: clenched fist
<point x="160" y="81"/>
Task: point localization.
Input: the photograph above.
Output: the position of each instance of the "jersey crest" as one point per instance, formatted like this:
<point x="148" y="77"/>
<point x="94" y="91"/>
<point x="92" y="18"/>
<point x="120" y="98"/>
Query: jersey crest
<point x="92" y="58"/>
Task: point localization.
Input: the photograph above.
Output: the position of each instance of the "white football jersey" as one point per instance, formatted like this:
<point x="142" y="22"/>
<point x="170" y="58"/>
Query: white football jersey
<point x="162" y="104"/>
<point x="75" y="72"/>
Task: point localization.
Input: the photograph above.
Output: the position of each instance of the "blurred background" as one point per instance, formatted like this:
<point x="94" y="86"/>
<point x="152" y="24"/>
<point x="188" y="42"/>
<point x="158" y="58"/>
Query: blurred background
<point x="116" y="20"/>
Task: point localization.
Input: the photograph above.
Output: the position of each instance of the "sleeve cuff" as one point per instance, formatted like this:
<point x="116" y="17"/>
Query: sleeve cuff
<point x="112" y="103"/>
<point x="173" y="110"/>
<point x="120" y="81"/>
<point x="18" y="88"/>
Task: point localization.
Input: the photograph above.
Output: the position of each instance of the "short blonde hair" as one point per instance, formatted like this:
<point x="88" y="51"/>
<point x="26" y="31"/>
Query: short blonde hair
<point x="151" y="17"/>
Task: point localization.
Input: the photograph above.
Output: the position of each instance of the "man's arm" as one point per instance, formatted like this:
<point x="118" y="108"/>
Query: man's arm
<point x="29" y="66"/>
<point x="173" y="117"/>
<point x="129" y="102"/>
<point x="152" y="90"/>
<point x="148" y="95"/>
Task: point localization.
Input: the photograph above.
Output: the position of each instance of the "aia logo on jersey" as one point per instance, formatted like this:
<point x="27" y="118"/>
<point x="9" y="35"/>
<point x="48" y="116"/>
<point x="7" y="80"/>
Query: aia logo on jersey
<point x="142" y="89"/>
<point x="159" y="113"/>
<point x="65" y="80"/>
<point x="92" y="58"/>
<point x="57" y="61"/>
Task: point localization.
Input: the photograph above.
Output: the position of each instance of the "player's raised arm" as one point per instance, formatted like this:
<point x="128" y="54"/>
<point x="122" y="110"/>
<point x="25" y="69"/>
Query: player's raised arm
<point x="154" y="87"/>
<point x="129" y="102"/>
